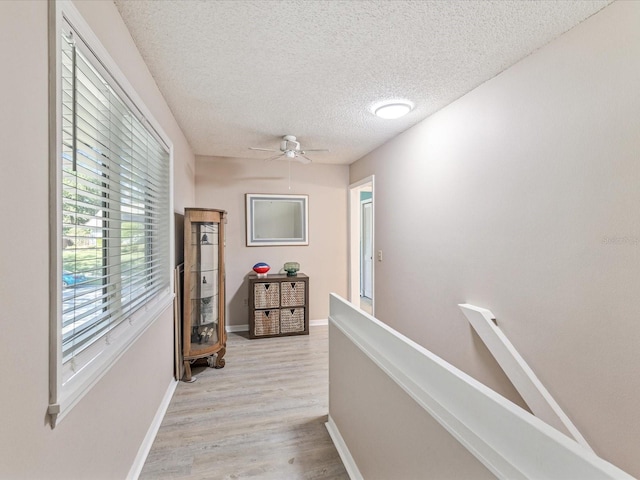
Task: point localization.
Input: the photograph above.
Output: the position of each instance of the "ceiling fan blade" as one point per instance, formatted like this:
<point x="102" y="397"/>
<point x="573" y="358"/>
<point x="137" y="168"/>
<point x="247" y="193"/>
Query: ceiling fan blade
<point x="303" y="159"/>
<point x="316" y="150"/>
<point x="263" y="149"/>
<point x="274" y="157"/>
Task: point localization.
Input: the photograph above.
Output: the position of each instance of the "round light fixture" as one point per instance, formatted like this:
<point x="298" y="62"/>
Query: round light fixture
<point x="392" y="111"/>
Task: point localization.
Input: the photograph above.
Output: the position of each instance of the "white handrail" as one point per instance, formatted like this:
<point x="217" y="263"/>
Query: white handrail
<point x="531" y="389"/>
<point x="508" y="440"/>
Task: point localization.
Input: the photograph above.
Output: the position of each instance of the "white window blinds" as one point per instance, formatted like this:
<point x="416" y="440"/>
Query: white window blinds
<point x="115" y="207"/>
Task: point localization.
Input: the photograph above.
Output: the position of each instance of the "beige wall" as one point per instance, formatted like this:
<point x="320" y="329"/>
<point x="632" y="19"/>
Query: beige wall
<point x="522" y="197"/>
<point x="222" y="183"/>
<point x="101" y="435"/>
<point x="404" y="443"/>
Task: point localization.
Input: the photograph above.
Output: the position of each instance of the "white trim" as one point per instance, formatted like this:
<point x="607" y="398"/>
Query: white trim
<point x="237" y="328"/>
<point x="250" y="202"/>
<point x="145" y="447"/>
<point x="354" y="239"/>
<point x="55" y="215"/>
<point x="67" y="10"/>
<point x="245" y="327"/>
<point x="533" y="392"/>
<point x="483" y="421"/>
<point x="76" y="388"/>
<point x="345" y="455"/>
<point x="63" y="397"/>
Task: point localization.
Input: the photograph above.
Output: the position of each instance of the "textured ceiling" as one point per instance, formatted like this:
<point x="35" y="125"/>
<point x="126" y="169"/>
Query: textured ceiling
<point x="242" y="73"/>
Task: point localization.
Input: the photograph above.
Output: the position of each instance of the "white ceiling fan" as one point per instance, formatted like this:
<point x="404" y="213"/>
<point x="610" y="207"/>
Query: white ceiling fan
<point x="291" y="150"/>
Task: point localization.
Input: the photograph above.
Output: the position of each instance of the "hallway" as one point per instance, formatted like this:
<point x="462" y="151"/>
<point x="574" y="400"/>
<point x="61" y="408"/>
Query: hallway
<point x="261" y="416"/>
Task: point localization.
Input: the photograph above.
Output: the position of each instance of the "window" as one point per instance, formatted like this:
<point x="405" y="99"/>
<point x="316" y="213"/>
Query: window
<point x="113" y="215"/>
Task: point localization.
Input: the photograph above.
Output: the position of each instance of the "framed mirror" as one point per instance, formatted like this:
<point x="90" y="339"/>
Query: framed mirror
<point x="277" y="220"/>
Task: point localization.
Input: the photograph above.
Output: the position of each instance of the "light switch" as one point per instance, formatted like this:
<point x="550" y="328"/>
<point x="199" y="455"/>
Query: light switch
<point x="379" y="255"/>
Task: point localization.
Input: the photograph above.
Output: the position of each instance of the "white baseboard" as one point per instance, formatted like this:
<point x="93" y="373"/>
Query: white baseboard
<point x="245" y="327"/>
<point x="343" y="451"/>
<point x="237" y="328"/>
<point x="145" y="447"/>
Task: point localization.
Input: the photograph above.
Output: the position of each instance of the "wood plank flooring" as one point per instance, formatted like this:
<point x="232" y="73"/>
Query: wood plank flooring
<point x="261" y="416"/>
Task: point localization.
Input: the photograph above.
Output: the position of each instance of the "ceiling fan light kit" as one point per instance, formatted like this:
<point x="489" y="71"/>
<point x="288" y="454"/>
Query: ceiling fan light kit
<point x="391" y="111"/>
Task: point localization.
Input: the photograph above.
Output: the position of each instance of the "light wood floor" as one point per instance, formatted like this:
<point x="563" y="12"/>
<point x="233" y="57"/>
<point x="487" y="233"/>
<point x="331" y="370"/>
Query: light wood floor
<point x="261" y="416"/>
<point x="366" y="304"/>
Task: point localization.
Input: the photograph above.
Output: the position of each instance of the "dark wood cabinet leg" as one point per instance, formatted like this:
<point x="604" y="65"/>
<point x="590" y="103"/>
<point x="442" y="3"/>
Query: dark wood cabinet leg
<point x="219" y="360"/>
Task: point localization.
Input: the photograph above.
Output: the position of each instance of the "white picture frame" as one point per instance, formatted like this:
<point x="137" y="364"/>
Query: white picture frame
<point x="277" y="220"/>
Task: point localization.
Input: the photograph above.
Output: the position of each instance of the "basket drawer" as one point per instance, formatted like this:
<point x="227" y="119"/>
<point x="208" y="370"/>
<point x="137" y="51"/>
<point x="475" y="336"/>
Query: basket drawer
<point x="266" y="295"/>
<point x="267" y="322"/>
<point x="292" y="294"/>
<point x="291" y="320"/>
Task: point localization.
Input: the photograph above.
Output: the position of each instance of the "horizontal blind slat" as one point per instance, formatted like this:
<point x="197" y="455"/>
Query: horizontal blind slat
<point x="115" y="207"/>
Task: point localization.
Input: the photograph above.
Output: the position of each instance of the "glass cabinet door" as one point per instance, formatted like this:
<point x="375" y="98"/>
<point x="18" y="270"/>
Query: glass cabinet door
<point x="204" y="290"/>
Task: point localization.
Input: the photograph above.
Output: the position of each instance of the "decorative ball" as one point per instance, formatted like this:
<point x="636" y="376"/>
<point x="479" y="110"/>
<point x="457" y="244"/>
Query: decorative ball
<point x="261" y="268"/>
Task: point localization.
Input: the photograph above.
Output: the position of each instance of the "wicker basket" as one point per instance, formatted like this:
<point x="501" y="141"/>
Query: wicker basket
<point x="267" y="322"/>
<point x="292" y="294"/>
<point x="266" y="295"/>
<point x="291" y="320"/>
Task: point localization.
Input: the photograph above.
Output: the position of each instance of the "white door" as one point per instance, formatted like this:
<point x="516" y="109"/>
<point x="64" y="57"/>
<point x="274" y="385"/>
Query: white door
<point x="366" y="259"/>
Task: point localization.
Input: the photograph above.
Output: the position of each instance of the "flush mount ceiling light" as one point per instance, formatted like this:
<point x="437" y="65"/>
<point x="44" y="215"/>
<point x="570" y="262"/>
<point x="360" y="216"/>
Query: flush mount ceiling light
<point x="393" y="110"/>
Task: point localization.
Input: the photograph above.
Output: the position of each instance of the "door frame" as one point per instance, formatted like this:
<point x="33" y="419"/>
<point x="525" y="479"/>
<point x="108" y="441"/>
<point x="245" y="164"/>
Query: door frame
<point x="366" y="184"/>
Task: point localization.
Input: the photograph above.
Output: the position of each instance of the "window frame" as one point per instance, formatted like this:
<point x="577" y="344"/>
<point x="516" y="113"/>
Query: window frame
<point x="65" y="394"/>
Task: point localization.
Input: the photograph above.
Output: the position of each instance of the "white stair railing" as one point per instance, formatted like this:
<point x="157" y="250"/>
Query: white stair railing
<point x="530" y="388"/>
<point x="509" y="441"/>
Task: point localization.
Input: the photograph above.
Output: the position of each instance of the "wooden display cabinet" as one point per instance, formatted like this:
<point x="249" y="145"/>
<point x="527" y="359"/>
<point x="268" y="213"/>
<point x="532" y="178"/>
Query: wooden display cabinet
<point x="203" y="333"/>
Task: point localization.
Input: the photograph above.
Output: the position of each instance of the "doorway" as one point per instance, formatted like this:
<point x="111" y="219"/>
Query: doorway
<point x="361" y="251"/>
<point x="366" y="248"/>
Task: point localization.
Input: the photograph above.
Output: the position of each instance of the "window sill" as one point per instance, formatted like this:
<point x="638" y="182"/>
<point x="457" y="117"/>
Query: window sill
<point x="124" y="337"/>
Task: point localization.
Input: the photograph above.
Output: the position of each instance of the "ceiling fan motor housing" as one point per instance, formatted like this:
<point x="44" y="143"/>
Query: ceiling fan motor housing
<point x="289" y="143"/>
